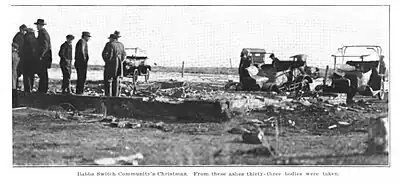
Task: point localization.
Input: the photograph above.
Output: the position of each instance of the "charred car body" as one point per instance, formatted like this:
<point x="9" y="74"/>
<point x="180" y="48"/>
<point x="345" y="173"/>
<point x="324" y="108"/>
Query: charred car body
<point x="135" y="65"/>
<point x="288" y="75"/>
<point x="358" y="69"/>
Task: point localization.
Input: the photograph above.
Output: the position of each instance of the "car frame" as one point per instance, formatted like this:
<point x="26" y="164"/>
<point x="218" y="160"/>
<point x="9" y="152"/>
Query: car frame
<point x="341" y="79"/>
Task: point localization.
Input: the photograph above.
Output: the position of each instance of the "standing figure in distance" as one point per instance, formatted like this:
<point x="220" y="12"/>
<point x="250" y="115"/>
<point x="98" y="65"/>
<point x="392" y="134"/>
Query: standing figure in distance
<point x="65" y="54"/>
<point x="113" y="55"/>
<point x="81" y="61"/>
<point x="44" y="54"/>
<point x="245" y="62"/>
<point x="275" y="60"/>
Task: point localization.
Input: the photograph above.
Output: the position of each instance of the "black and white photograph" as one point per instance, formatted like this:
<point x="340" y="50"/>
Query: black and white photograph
<point x="200" y="85"/>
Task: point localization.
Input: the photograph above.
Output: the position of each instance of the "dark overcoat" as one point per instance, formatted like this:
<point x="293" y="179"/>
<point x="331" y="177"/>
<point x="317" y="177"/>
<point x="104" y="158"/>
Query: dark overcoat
<point x="29" y="54"/>
<point x="44" y="48"/>
<point x="113" y="55"/>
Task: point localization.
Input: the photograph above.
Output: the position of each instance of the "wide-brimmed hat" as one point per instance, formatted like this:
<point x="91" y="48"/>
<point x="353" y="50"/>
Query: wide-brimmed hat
<point x="40" y="22"/>
<point x="117" y="33"/>
<point x="70" y="37"/>
<point x="23" y="27"/>
<point x="85" y="33"/>
<point x="113" y="36"/>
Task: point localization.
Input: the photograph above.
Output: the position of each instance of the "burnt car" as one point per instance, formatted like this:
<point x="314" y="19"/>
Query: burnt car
<point x="135" y="64"/>
<point x="279" y="75"/>
<point x="358" y="69"/>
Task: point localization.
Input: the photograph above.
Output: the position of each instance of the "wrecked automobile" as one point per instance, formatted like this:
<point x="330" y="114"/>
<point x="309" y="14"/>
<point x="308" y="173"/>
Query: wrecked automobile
<point x="278" y="76"/>
<point x="357" y="69"/>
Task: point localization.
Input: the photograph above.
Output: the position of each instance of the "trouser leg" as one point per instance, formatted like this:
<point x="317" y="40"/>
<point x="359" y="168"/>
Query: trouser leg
<point x="27" y="78"/>
<point x="64" y="85"/>
<point x="43" y="81"/>
<point x="78" y="79"/>
<point x="115" y="86"/>
<point x="14" y="98"/>
<point x="83" y="81"/>
<point x="66" y="71"/>
<point x="106" y="82"/>
<point x="80" y="83"/>
<point x="240" y="75"/>
<point x="31" y="78"/>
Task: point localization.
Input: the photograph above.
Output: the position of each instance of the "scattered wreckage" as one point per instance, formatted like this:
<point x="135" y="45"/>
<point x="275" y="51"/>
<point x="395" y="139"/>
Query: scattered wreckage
<point x="280" y="76"/>
<point x="363" y="72"/>
<point x="357" y="69"/>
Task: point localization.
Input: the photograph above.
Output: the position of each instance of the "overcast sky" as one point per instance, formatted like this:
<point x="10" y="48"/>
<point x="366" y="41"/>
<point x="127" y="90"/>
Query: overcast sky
<point x="210" y="36"/>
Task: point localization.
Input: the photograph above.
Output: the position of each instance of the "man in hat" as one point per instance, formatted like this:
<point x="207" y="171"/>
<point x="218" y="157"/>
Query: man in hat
<point x="113" y="54"/>
<point x="44" y="55"/>
<point x="15" y="62"/>
<point x="19" y="37"/>
<point x="274" y="59"/>
<point x="30" y="60"/>
<point x="19" y="40"/>
<point x="117" y="34"/>
<point x="245" y="62"/>
<point x="122" y="47"/>
<point x="65" y="54"/>
<point x="81" y="61"/>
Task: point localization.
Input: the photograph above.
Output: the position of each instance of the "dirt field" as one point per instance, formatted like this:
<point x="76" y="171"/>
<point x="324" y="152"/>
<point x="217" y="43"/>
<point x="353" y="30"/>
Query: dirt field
<point x="44" y="137"/>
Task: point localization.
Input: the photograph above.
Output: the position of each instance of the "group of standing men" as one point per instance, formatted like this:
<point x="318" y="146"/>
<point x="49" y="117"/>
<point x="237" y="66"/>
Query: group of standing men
<point x="31" y="55"/>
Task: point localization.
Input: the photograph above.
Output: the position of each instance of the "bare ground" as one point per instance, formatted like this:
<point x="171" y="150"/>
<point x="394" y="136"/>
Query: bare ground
<point x="42" y="137"/>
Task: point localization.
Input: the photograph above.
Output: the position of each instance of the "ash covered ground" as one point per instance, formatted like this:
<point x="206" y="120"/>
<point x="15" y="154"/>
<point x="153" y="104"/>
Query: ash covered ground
<point x="307" y="130"/>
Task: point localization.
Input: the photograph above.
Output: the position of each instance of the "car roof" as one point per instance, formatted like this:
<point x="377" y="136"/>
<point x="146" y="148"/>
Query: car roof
<point x="135" y="53"/>
<point x="255" y="50"/>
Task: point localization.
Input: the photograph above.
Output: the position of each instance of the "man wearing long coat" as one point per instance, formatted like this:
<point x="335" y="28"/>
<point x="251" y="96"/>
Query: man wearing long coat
<point x="19" y="41"/>
<point x="44" y="54"/>
<point x="30" y="59"/>
<point x="113" y="55"/>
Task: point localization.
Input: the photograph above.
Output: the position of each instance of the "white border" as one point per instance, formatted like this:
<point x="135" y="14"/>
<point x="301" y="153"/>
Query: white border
<point x="68" y="175"/>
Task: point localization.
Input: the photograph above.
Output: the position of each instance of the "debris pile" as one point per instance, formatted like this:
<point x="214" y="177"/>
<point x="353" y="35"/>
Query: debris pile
<point x="128" y="160"/>
<point x="378" y="134"/>
<point x="312" y="114"/>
